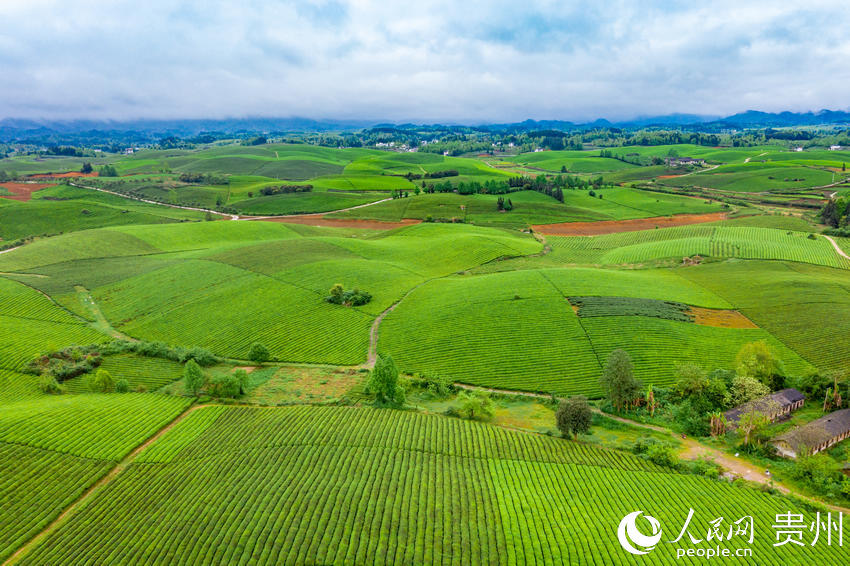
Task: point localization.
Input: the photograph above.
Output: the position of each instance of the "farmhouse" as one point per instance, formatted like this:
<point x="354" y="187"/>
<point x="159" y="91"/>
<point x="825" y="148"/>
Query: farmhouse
<point x="834" y="148"/>
<point x="678" y="161"/>
<point x="774" y="406"/>
<point x="815" y="436"/>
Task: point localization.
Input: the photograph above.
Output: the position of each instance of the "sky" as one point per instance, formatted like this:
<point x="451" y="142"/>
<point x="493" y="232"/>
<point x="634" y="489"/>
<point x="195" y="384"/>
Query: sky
<point x="425" y="61"/>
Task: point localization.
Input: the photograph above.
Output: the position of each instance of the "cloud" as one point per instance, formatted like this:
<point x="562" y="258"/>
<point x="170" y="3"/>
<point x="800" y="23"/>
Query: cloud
<point x="426" y="61"/>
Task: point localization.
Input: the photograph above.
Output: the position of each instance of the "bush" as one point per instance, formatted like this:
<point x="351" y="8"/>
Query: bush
<point x="193" y="377"/>
<point x="475" y="405"/>
<point x="225" y="386"/>
<point x="101" y="382"/>
<point x="258" y="353"/>
<point x="383" y="382"/>
<point x="573" y="416"/>
<point x="48" y="384"/>
<point x="122" y="386"/>
<point x="353" y="298"/>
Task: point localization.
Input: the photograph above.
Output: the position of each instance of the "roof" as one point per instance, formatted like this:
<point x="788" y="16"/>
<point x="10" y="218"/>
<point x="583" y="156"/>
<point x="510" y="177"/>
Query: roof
<point x="818" y="431"/>
<point x="783" y="398"/>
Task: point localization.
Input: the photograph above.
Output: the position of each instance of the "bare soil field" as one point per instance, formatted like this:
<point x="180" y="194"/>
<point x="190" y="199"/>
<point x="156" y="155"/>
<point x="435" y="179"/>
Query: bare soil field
<point x="66" y="175"/>
<point x="720" y="318"/>
<point x="614" y="226"/>
<point x="22" y="191"/>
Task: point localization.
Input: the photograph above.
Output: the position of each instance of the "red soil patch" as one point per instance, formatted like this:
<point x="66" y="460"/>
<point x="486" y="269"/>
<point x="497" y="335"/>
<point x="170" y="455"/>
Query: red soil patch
<point x="316" y="220"/>
<point x="614" y="226"/>
<point x="667" y="176"/>
<point x="63" y="175"/>
<point x="22" y="191"/>
<point x="720" y="318"/>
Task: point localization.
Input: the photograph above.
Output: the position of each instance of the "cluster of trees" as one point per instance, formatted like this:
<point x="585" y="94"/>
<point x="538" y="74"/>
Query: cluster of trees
<point x="64" y="150"/>
<point x="351" y="298"/>
<point x="506" y="205"/>
<point x="107" y="171"/>
<point x="54" y="368"/>
<point x="227" y="385"/>
<point x="285" y="189"/>
<point x="552" y="186"/>
<point x="698" y="398"/>
<point x="836" y="213"/>
<point x="202" y="178"/>
<point x="397" y="193"/>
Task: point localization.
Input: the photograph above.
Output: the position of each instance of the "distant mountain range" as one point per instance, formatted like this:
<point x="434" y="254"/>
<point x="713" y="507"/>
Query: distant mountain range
<point x="42" y="131"/>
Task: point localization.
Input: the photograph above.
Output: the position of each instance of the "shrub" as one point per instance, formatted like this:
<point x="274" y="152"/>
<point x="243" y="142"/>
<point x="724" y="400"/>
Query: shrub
<point x="573" y="416"/>
<point x="225" y="386"/>
<point x="353" y="298"/>
<point x="122" y="386"/>
<point x="475" y="405"/>
<point x="258" y="353"/>
<point x="383" y="382"/>
<point x="193" y="377"/>
<point x="101" y="382"/>
<point x="48" y="384"/>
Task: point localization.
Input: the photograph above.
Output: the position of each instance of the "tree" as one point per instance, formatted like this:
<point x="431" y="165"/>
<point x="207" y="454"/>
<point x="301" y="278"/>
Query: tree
<point x="718" y="423"/>
<point x="336" y="293"/>
<point x="242" y="378"/>
<point x="756" y="359"/>
<point x="751" y="423"/>
<point x="193" y="377"/>
<point x="258" y="353"/>
<point x="618" y="380"/>
<point x="383" y="382"/>
<point x="86" y="168"/>
<point x="122" y="386"/>
<point x="573" y="416"/>
<point x="48" y="384"/>
<point x="475" y="405"/>
<point x="102" y="382"/>
<point x="745" y="389"/>
<point x="107" y="171"/>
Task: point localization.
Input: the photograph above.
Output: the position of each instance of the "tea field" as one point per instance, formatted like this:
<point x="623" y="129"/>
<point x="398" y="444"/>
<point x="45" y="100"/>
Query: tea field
<point x="243" y="485"/>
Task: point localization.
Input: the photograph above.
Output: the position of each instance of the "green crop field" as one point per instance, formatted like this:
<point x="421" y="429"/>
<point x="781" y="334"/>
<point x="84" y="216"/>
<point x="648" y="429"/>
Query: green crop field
<point x="530" y="207"/>
<point x="494" y="496"/>
<point x="298" y="461"/>
<point x="473" y="330"/>
<point x="141" y="373"/>
<point x="806" y="307"/>
<point x="756" y="177"/>
<point x="704" y="240"/>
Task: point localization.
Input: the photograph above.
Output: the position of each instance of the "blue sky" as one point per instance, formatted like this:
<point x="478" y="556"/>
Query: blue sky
<point x="423" y="61"/>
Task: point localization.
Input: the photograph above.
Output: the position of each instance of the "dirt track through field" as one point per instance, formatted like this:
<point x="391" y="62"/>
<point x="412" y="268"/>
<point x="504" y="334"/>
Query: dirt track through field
<point x="615" y="226"/>
<point x="318" y="220"/>
<point x="693" y="449"/>
<point x="837" y="247"/>
<point x="97" y="487"/>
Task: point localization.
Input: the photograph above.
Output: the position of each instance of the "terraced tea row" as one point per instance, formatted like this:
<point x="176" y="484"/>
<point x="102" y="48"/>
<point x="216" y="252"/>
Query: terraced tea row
<point x="344" y="485"/>
<point x="708" y="241"/>
<point x="516" y="330"/>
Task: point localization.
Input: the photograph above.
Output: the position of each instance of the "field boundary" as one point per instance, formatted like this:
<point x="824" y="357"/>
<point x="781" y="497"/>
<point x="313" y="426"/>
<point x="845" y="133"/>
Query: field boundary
<point x="97" y="487"/>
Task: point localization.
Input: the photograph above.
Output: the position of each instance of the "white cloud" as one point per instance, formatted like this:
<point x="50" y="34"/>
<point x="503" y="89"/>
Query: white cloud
<point x="424" y="61"/>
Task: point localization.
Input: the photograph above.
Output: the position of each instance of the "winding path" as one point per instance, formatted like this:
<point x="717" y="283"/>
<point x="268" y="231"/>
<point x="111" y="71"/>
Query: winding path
<point x="693" y="449"/>
<point x="836" y="246"/>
